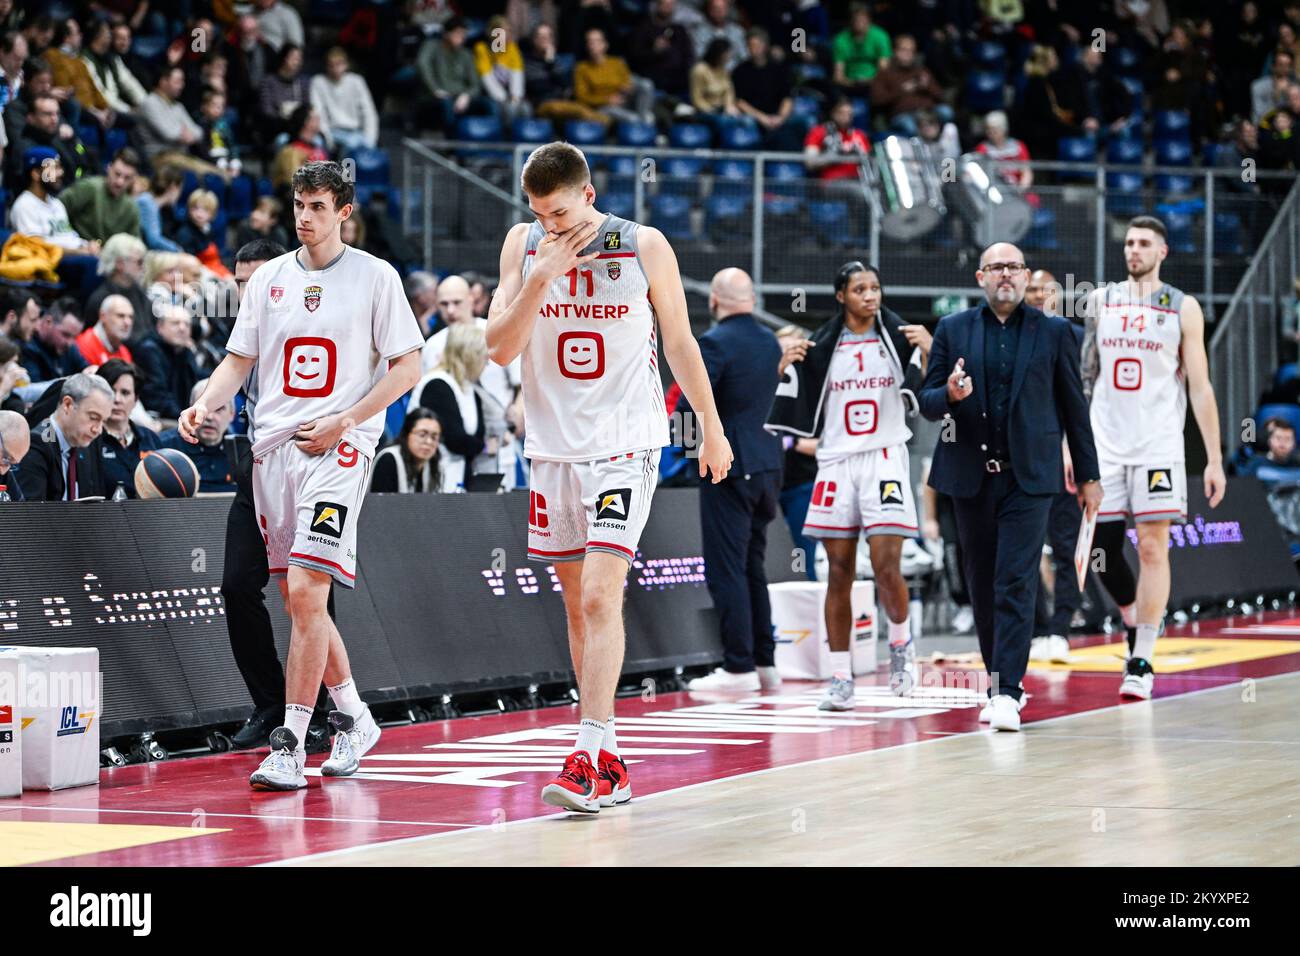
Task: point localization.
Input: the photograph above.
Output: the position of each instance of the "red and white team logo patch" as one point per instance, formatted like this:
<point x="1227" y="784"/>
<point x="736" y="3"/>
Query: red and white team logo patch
<point x="537" y="511"/>
<point x="277" y="293"/>
<point x="860" y="417"/>
<point x="823" y="495"/>
<point x="311" y="297"/>
<point x="613" y="269"/>
<point x="309" y="366"/>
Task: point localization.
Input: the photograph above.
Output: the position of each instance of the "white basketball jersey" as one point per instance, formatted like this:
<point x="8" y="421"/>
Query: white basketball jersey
<point x="1139" y="402"/>
<point x="863" y="408"/>
<point x="591" y="373"/>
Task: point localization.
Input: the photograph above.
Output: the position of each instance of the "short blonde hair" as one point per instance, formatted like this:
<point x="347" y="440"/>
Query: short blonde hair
<point x="203" y="199"/>
<point x="465" y="354"/>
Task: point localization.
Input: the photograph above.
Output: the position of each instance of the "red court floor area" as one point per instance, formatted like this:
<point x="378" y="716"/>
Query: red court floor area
<point x="476" y="772"/>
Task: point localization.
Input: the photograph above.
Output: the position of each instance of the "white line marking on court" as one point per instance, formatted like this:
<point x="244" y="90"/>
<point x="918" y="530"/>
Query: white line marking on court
<point x="250" y="816"/>
<point x="766" y="770"/>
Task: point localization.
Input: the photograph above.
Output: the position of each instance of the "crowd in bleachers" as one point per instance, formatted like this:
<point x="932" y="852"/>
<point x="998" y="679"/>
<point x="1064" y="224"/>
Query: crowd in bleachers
<point x="145" y="143"/>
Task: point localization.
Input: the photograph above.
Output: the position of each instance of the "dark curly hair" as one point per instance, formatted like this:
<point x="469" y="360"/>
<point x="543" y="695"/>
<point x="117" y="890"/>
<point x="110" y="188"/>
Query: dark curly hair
<point x="325" y="176"/>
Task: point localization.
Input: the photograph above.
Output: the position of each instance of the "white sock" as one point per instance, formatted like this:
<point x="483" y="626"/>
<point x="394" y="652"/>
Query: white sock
<point x="591" y="733"/>
<point x="611" y="742"/>
<point x="1129" y="613"/>
<point x="900" y="634"/>
<point x="1145" y="646"/>
<point x="297" y="718"/>
<point x="347" y="699"/>
<point x="842" y="663"/>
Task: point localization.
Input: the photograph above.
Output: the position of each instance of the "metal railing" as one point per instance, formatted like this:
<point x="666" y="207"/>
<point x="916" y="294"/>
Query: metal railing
<point x="1243" y="350"/>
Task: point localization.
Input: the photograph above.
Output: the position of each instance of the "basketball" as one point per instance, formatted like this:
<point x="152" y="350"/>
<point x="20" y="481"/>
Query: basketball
<point x="166" y="473"/>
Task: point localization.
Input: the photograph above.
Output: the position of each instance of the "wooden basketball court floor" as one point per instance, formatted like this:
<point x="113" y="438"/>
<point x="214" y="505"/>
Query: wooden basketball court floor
<point x="1207" y="773"/>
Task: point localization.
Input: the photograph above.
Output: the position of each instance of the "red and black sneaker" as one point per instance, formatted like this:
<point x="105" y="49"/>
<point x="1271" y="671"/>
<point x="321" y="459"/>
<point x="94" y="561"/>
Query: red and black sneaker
<point x="577" y="787"/>
<point x="615" y="785"/>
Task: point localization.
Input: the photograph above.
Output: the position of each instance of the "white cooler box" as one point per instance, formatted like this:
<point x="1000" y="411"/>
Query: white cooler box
<point x="802" y="652"/>
<point x="61" y="702"/>
<point x="11" y="723"/>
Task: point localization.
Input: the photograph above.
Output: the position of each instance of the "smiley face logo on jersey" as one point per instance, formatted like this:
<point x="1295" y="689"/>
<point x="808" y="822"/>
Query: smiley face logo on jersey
<point x="309" y="366"/>
<point x="329" y="518"/>
<point x="860" y="417"/>
<point x="613" y="504"/>
<point x="1128" y="374"/>
<point x="581" y="355"/>
<point x="891" y="493"/>
<point x="1160" y="481"/>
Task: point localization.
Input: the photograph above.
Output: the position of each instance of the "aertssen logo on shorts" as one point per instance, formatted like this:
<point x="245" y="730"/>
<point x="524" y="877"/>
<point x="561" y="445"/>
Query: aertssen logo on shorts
<point x="613" y="505"/>
<point x="1160" y="481"/>
<point x="329" y="517"/>
<point x="891" y="493"/>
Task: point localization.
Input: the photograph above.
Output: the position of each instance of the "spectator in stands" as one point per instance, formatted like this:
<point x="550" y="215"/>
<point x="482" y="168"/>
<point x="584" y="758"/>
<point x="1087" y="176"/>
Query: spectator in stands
<point x="353" y="230"/>
<point x="480" y="296"/>
<point x="263" y="223"/>
<point x="103" y="206"/>
<point x="1269" y="92"/>
<point x="39" y="32"/>
<point x="15" y="440"/>
<point x="712" y="93"/>
<point x="448" y="391"/>
<point x="62" y="464"/>
<point x="216" y="143"/>
<point x="19" y="313"/>
<point x="1279" y="149"/>
<point x="1090" y="95"/>
<point x="283" y="91"/>
<point x="411" y="464"/>
<point x="1243" y="145"/>
<point x="70" y="70"/>
<point x="13" y="53"/>
<point x="1281" y="444"/>
<point x="345" y="106"/>
<point x="1243" y="58"/>
<point x="163" y="192"/>
<point x="859" y="52"/>
<point x="44" y="127"/>
<point x="904" y="87"/>
<point x="170" y="278"/>
<point x="209" y="455"/>
<point x="39" y="212"/>
<point x="12" y="375"/>
<point x="196" y="234"/>
<point x="718" y="23"/>
<point x="604" y="85"/>
<point x="1004" y="151"/>
<point x="305" y="146"/>
<point x="661" y="51"/>
<point x="763" y="93"/>
<point x="450" y="77"/>
<point x="167" y="131"/>
<point x="422" y="293"/>
<point x="124" y="66"/>
<point x="576" y="19"/>
<point x="121" y="264"/>
<point x="548" y="79"/>
<point x="52" y="352"/>
<point x="1181" y="84"/>
<point x="97" y="55"/>
<point x="106" y="339"/>
<point x="941" y="137"/>
<point x="500" y="67"/>
<point x="250" y="61"/>
<point x="167" y="365"/>
<point x="1042" y="117"/>
<point x="832" y="149"/>
<point x="122" y="444"/>
<point x="279" y="24"/>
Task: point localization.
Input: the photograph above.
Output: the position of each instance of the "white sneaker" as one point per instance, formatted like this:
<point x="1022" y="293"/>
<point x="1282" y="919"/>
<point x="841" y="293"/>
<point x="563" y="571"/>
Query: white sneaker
<point x="768" y="678"/>
<point x="353" y="738"/>
<point x="1004" y="713"/>
<point x="839" y="694"/>
<point x="986" y="712"/>
<point x="963" y="622"/>
<point x="1138" y="680"/>
<point x="726" y="681"/>
<point x="1058" y="649"/>
<point x="1038" y="648"/>
<point x="902" y="668"/>
<point x="283" y="766"/>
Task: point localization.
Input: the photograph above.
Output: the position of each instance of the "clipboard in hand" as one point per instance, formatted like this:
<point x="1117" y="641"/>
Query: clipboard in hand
<point x="1083" y="547"/>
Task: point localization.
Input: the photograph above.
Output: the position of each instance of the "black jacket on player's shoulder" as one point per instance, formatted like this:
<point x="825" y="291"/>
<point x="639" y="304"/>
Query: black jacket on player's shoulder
<point x="797" y="409"/>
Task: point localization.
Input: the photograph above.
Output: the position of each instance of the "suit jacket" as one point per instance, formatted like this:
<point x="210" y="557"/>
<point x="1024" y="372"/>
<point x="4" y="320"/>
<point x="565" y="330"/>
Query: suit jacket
<point x="1046" y="401"/>
<point x="742" y="359"/>
<point x="41" y="473"/>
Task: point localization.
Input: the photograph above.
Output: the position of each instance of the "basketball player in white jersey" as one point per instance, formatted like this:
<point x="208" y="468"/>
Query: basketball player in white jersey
<point x="579" y="297"/>
<point x="1143" y="357"/>
<point x="335" y="343"/>
<point x="863" y="484"/>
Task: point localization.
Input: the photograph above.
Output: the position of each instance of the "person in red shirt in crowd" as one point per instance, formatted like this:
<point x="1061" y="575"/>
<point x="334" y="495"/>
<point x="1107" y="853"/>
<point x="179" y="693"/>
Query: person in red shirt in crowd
<point x="831" y="149"/>
<point x="1004" y="150"/>
<point x="106" y="339"/>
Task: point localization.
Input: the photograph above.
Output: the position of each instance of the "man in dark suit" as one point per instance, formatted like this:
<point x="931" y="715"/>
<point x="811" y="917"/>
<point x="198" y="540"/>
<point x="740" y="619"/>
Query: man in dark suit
<point x="1005" y="377"/>
<point x="742" y="358"/>
<point x="63" y="463"/>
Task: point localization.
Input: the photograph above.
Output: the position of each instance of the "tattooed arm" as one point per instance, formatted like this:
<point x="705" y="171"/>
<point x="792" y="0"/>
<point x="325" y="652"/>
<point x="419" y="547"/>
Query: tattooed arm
<point x="1090" y="359"/>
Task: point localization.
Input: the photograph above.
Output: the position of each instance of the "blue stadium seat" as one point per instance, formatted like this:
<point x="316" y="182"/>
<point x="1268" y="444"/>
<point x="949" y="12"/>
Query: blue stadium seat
<point x="264" y="188"/>
<point x="621" y="204"/>
<point x="149" y="47"/>
<point x="1135" y="91"/>
<point x="189" y="183"/>
<point x="372" y="167"/>
<point x="1286" y="372"/>
<point x="740" y="134"/>
<point x="725" y="216"/>
<point x="479" y="129"/>
<point x="1076" y="149"/>
<point x="623" y="166"/>
<point x="1286" y="412"/>
<point x="529" y="129"/>
<point x="1172" y="124"/>
<point x="216" y="184"/>
<point x="808" y="107"/>
<point x="690" y="136"/>
<point x="785" y="182"/>
<point x="1174" y="152"/>
<point x="733" y="177"/>
<point x="1182" y="229"/>
<point x="830" y="220"/>
<point x="984" y="91"/>
<point x="680" y="175"/>
<point x="1124" y="152"/>
<point x="671" y="215"/>
<point x="335" y="12"/>
<point x="862" y="113"/>
<point x="584" y="133"/>
<point x="1227" y="234"/>
<point x="89" y="134"/>
<point x="989" y="56"/>
<point x="114" y="140"/>
<point x="1124" y="60"/>
<point x="635" y="134"/>
<point x="1042" y="235"/>
<point x="239" y="198"/>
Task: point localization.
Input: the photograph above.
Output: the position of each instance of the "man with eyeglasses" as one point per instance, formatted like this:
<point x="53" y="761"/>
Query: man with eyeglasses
<point x="15" y="440"/>
<point x="1004" y="378"/>
<point x="63" y="465"/>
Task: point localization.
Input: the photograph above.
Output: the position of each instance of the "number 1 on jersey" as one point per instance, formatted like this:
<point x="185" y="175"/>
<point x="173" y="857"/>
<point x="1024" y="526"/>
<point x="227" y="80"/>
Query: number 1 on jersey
<point x="573" y="282"/>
